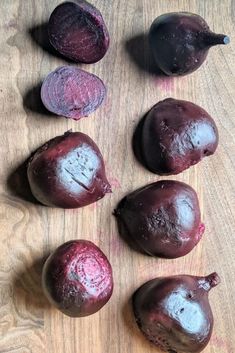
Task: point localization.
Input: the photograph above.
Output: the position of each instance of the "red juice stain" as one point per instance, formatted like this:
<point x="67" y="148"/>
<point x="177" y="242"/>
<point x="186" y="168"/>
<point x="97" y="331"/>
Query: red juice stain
<point x="165" y="83"/>
<point x="222" y="344"/>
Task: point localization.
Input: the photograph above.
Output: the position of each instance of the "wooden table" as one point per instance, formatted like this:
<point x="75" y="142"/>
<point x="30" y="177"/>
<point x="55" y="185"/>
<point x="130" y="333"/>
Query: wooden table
<point x="30" y="231"/>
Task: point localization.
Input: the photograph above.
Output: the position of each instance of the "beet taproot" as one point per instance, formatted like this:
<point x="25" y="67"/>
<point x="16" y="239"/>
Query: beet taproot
<point x="174" y="313"/>
<point x="162" y="218"/>
<point x="68" y="172"/>
<point x="77" y="278"/>
<point x="177" y="134"/>
<point x="77" y="30"/>
<point x="72" y="92"/>
<point x="180" y="42"/>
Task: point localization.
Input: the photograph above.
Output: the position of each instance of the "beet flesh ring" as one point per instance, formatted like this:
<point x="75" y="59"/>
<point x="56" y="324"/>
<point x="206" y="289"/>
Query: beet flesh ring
<point x="176" y="135"/>
<point x="77" y="278"/>
<point x="174" y="313"/>
<point x="72" y="92"/>
<point x="162" y="218"/>
<point x="77" y="30"/>
<point x="68" y="172"/>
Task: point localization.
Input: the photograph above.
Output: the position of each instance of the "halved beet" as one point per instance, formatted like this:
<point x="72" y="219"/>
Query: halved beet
<point x="77" y="30"/>
<point x="72" y="92"/>
<point x="68" y="172"/>
<point x="77" y="278"/>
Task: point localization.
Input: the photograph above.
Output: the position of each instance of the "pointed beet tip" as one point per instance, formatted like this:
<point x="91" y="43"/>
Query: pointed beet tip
<point x="213" y="280"/>
<point x="226" y="40"/>
<point x="211" y="39"/>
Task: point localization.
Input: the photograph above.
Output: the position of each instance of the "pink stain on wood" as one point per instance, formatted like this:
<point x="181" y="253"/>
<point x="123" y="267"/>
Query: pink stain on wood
<point x="116" y="246"/>
<point x="164" y="83"/>
<point x="107" y="105"/>
<point x="114" y="182"/>
<point x="114" y="240"/>
<point x="223" y="345"/>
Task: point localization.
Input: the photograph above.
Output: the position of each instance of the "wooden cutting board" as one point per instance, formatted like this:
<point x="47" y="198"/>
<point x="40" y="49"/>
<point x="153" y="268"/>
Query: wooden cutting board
<point x="28" y="231"/>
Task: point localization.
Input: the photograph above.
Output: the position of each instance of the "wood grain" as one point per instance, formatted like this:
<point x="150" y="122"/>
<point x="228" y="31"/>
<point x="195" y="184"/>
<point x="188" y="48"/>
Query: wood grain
<point x="28" y="324"/>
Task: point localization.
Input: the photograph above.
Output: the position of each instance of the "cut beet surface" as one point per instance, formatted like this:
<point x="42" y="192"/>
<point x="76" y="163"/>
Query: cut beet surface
<point x="77" y="30"/>
<point x="68" y="172"/>
<point x="72" y="92"/>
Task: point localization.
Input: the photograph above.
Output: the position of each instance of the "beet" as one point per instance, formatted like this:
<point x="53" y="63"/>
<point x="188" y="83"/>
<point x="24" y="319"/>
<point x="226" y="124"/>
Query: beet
<point x="180" y="42"/>
<point x="174" y="312"/>
<point x="162" y="218"/>
<point x="77" y="278"/>
<point x="177" y="134"/>
<point x="68" y="172"/>
<point x="72" y="92"/>
<point x="77" y="30"/>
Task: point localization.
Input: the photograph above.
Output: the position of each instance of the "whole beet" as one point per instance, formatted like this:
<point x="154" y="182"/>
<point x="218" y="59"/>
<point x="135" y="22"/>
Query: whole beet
<point x="77" y="278"/>
<point x="174" y="312"/>
<point x="77" y="30"/>
<point x="176" y="135"/>
<point x="72" y="92"/>
<point x="180" y="42"/>
<point x="68" y="172"/>
<point x="162" y="218"/>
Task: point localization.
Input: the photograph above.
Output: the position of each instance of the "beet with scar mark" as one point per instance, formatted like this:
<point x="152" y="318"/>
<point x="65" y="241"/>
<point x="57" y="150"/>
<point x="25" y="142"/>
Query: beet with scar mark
<point x="77" y="30"/>
<point x="68" y="172"/>
<point x="174" y="313"/>
<point x="176" y="135"/>
<point x="72" y="92"/>
<point x="162" y="218"/>
<point x="77" y="278"/>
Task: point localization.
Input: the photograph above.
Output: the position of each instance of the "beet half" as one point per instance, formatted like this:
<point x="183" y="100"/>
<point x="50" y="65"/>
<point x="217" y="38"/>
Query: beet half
<point x="77" y="30"/>
<point x="180" y="42"/>
<point x="162" y="218"/>
<point x="174" y="312"/>
<point x="77" y="278"/>
<point x="68" y="172"/>
<point x="72" y="92"/>
<point x="177" y="134"/>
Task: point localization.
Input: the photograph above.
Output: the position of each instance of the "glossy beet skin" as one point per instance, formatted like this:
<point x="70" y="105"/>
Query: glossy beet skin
<point x="176" y="135"/>
<point x="180" y="42"/>
<point x="72" y="92"/>
<point x="68" y="172"/>
<point x="77" y="278"/>
<point x="162" y="218"/>
<point x="174" y="312"/>
<point x="77" y="30"/>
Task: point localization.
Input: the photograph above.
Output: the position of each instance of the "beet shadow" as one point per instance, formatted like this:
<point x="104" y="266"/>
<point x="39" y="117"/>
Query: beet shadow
<point x="27" y="287"/>
<point x="140" y="53"/>
<point x="39" y="35"/>
<point x="18" y="184"/>
<point x="32" y="101"/>
<point x="137" y="141"/>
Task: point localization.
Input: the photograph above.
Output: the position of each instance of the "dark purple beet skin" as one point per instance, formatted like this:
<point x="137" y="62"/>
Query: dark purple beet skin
<point x="77" y="278"/>
<point x="176" y="135"/>
<point x="68" y="172"/>
<point x="180" y="42"/>
<point x="72" y="92"/>
<point x="174" y="312"/>
<point x="162" y="218"/>
<point x="77" y="30"/>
